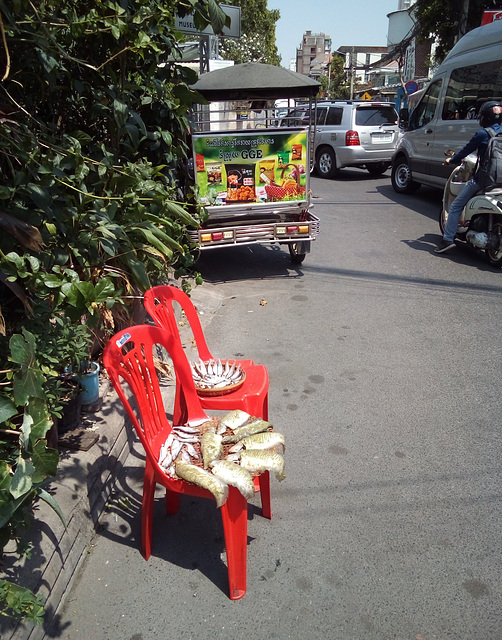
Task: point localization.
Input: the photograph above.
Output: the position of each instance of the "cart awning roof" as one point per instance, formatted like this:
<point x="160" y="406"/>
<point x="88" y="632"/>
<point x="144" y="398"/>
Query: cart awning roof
<point x="255" y="81"/>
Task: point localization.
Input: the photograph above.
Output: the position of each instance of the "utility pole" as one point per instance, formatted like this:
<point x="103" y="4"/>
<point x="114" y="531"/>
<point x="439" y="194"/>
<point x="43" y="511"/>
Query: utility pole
<point x="462" y="23"/>
<point x="208" y="50"/>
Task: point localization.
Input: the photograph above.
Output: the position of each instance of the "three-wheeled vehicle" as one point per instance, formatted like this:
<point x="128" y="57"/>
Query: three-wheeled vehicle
<point x="252" y="175"/>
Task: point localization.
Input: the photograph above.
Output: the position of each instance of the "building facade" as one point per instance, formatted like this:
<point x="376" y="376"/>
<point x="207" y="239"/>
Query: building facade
<point x="358" y="61"/>
<point x="313" y="54"/>
<point x="412" y="56"/>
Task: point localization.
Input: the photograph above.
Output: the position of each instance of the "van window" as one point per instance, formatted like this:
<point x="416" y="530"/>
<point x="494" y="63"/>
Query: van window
<point x="426" y="108"/>
<point x="469" y="87"/>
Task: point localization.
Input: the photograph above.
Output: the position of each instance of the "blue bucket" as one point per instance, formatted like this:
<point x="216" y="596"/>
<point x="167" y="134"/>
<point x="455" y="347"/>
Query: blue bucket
<point x="90" y="385"/>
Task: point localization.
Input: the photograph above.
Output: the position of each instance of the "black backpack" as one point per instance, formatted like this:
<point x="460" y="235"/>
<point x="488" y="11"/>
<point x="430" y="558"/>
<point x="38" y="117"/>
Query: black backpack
<point x="489" y="174"/>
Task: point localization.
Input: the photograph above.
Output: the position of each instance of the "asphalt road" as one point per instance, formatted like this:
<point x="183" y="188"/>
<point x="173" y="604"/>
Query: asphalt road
<point x="385" y="368"/>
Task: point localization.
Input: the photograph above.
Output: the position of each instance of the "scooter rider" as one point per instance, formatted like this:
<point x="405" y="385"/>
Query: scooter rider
<point x="490" y="115"/>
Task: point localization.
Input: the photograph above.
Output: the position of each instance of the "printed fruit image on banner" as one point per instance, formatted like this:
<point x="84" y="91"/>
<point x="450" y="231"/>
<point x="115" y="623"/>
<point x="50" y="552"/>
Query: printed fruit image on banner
<point x="243" y="168"/>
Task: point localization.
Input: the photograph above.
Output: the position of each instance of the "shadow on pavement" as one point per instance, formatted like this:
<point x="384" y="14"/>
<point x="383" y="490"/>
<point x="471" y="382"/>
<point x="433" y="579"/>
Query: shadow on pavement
<point x="251" y="262"/>
<point x="426" y="201"/>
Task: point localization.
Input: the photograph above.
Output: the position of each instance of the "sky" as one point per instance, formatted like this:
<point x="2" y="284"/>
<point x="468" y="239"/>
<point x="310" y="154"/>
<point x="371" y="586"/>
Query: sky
<point x="347" y="22"/>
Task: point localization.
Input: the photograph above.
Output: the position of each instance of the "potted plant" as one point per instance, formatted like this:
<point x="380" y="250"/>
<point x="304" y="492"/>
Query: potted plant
<point x="66" y="347"/>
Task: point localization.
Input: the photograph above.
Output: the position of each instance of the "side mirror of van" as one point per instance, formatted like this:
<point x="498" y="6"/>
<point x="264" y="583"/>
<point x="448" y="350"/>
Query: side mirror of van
<point x="404" y="118"/>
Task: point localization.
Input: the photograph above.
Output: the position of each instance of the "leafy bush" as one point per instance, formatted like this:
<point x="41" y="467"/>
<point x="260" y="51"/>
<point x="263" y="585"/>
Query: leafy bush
<point x="94" y="206"/>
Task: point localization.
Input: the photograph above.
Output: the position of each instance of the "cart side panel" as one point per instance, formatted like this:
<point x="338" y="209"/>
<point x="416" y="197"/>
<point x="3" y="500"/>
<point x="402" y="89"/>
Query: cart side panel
<point x="252" y="170"/>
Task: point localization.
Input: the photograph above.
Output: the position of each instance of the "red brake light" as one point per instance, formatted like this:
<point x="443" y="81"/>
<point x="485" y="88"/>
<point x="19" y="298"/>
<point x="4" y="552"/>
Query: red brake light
<point x="352" y="139"/>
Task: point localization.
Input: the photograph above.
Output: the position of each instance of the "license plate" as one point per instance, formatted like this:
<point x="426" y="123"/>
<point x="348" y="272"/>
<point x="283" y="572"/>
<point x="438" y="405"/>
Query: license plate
<point x="381" y="137"/>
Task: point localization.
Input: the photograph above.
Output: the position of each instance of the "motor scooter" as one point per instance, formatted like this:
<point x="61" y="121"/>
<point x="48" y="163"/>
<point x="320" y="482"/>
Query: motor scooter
<point x="481" y="222"/>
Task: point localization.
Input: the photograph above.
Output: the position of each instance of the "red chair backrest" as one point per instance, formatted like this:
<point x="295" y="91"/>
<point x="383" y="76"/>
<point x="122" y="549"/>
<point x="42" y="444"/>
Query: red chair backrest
<point x="129" y="357"/>
<point x="159" y="302"/>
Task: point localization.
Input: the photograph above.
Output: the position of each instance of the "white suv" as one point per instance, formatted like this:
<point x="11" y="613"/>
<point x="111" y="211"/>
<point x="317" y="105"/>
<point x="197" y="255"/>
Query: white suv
<point x="351" y="134"/>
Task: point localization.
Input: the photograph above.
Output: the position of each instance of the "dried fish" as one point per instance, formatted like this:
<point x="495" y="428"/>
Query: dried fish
<point x="176" y="447"/>
<point x="221" y="428"/>
<point x="191" y="450"/>
<point x="248" y="429"/>
<point x="185" y="456"/>
<point x="236" y="447"/>
<point x="186" y="429"/>
<point x="235" y="475"/>
<point x="211" y="447"/>
<point x="213" y="374"/>
<point x="166" y="459"/>
<point x="169" y="450"/>
<point x="254" y="460"/>
<point x="204" y="479"/>
<point x="209" y="425"/>
<point x="264" y="440"/>
<point x="235" y="419"/>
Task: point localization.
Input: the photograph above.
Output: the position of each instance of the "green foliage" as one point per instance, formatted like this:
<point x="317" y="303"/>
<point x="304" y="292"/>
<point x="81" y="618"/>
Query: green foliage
<point x="257" y="42"/>
<point x="20" y="603"/>
<point x="334" y="83"/>
<point x="94" y="206"/>
<point x="440" y="20"/>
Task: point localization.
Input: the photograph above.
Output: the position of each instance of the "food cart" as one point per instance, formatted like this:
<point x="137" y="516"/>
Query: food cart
<point x="252" y="175"/>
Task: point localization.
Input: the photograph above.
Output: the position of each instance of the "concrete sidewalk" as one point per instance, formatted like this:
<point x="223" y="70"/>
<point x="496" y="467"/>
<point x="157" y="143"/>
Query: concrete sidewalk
<point x="85" y="483"/>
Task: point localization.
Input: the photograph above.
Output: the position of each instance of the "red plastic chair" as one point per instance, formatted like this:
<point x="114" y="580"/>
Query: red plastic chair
<point x="251" y="397"/>
<point x="129" y="361"/>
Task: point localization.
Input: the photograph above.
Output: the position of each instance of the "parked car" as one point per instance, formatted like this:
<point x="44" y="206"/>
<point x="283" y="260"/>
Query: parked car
<point x="446" y="116"/>
<point x="350" y="133"/>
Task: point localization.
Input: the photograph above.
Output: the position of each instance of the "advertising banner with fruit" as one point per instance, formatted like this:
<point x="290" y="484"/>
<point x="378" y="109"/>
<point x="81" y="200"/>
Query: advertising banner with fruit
<point x="245" y="168"/>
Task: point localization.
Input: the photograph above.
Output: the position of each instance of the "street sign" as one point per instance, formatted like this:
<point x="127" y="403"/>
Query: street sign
<point x="491" y="16"/>
<point x="411" y="86"/>
<point x="366" y="96"/>
<point x="186" y="24"/>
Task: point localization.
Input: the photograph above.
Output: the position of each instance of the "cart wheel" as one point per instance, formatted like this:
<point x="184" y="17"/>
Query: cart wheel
<point x="296" y="258"/>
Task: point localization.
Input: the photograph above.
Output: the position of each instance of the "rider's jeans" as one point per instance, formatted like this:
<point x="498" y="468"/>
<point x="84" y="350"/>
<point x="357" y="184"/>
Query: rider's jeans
<point x="457" y="207"/>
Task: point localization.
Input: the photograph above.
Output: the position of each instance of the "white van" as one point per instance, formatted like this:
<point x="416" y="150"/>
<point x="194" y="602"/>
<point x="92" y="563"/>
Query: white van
<point x="446" y="116"/>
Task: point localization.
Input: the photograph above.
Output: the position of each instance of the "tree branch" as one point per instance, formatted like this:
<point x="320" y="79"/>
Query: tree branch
<point x="6" y="48"/>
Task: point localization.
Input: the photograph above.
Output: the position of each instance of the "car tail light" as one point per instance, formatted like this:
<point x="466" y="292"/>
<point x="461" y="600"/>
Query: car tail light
<point x="352" y="139"/>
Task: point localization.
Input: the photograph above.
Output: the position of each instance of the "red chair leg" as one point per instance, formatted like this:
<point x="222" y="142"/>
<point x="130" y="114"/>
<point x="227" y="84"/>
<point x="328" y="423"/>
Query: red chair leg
<point x="172" y="502"/>
<point x="266" y="506"/>
<point x="235" y="525"/>
<point x="147" y="511"/>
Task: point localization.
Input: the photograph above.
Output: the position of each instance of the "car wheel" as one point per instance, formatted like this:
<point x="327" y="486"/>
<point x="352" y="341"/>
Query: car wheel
<point x="401" y="176"/>
<point x="326" y="163"/>
<point x="377" y="169"/>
